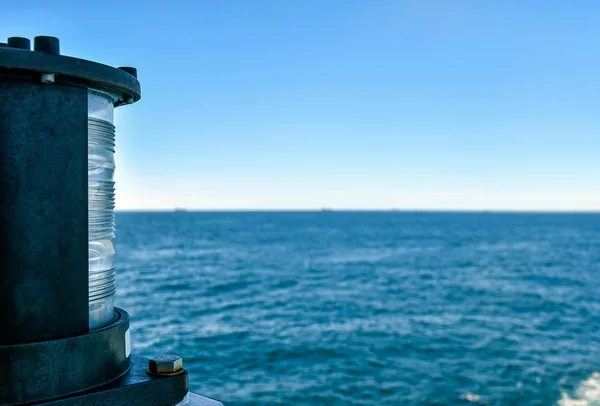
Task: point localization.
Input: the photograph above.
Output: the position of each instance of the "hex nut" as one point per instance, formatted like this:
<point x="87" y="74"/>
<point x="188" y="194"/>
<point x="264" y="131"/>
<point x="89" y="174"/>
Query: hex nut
<point x="165" y="364"/>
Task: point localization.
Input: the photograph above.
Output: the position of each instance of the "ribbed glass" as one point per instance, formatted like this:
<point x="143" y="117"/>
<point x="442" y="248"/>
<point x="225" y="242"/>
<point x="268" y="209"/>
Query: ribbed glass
<point x="101" y="203"/>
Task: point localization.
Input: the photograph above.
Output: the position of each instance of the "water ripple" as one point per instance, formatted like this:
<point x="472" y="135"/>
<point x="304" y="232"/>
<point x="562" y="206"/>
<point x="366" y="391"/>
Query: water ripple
<point x="368" y="308"/>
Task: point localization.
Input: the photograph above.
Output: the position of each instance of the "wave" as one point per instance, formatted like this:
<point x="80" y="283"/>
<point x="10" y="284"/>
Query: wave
<point x="473" y="398"/>
<point x="586" y="394"/>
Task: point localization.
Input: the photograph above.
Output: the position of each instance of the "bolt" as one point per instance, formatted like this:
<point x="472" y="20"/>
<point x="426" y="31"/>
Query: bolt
<point x="49" y="45"/>
<point x="47" y="77"/>
<point x="165" y="365"/>
<point x="19" y="43"/>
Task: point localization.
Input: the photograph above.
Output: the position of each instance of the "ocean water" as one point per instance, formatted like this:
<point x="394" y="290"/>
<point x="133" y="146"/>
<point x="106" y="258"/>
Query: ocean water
<point x="369" y="308"/>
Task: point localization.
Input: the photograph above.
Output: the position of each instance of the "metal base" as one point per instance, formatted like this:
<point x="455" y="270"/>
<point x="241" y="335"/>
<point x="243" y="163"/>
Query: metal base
<point x="37" y="372"/>
<point x="87" y="370"/>
<point x="136" y="388"/>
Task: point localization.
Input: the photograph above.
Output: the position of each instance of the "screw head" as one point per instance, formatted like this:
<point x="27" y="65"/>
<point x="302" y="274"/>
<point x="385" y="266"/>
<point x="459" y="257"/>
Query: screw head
<point x="165" y="364"/>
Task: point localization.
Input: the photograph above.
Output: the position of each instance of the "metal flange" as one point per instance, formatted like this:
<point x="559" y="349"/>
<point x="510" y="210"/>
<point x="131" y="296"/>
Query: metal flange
<point x="41" y="371"/>
<point x="45" y="64"/>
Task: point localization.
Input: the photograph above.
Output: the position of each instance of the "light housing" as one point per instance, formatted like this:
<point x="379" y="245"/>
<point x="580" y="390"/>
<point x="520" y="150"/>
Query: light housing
<point x="62" y="340"/>
<point x="101" y="204"/>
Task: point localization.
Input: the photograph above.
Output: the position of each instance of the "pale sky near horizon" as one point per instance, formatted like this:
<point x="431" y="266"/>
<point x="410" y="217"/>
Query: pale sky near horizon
<point x="346" y="104"/>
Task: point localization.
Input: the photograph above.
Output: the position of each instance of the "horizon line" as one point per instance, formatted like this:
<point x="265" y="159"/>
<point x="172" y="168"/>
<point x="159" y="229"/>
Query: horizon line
<point x="388" y="210"/>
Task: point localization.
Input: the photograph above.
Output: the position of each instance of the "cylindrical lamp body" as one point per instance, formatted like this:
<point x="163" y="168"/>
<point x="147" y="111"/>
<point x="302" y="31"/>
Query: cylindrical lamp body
<point x="101" y="193"/>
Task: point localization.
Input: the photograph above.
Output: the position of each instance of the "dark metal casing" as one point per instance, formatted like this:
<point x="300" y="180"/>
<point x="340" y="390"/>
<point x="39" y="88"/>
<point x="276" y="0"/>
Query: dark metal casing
<point x="43" y="211"/>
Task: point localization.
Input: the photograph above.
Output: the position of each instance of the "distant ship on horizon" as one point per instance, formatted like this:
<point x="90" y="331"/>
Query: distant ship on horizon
<point x="180" y="209"/>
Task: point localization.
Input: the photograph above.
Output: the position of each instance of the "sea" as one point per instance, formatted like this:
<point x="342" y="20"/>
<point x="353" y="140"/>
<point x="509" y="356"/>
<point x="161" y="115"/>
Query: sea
<point x="368" y="308"/>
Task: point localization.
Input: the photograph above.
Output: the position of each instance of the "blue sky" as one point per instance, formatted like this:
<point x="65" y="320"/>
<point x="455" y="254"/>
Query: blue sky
<point x="346" y="104"/>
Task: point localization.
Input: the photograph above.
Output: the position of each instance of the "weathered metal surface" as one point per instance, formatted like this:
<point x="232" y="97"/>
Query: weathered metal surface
<point x="136" y="388"/>
<point x="43" y="211"/>
<point x="34" y="372"/>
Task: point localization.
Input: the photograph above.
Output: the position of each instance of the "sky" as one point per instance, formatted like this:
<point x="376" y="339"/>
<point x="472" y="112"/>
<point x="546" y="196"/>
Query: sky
<point x="372" y="104"/>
